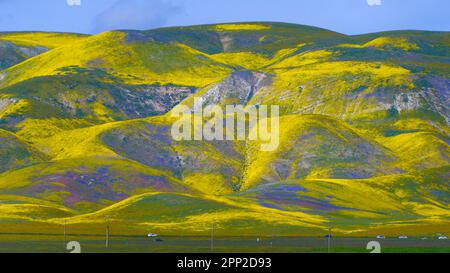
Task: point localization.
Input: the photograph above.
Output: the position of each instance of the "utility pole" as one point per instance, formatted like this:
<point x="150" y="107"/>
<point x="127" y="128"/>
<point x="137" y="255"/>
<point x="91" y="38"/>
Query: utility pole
<point x="329" y="235"/>
<point x="107" y="233"/>
<point x="212" y="236"/>
<point x="65" y="233"/>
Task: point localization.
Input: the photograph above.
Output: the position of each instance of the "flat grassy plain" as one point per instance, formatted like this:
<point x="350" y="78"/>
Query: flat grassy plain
<point x="47" y="243"/>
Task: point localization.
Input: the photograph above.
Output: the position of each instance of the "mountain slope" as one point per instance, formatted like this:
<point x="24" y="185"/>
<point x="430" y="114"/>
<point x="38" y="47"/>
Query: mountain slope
<point x="16" y="47"/>
<point x="175" y="213"/>
<point x="16" y="153"/>
<point x="265" y="38"/>
<point x="132" y="62"/>
<point x="364" y="131"/>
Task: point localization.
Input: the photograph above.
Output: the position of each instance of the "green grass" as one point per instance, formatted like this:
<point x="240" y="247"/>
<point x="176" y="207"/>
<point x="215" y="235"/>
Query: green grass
<point x="189" y="244"/>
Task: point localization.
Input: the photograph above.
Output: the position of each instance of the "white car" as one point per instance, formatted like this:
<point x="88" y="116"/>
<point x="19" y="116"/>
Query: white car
<point x="152" y="235"/>
<point x="381" y="237"/>
<point x="442" y="238"/>
<point x="403" y="237"/>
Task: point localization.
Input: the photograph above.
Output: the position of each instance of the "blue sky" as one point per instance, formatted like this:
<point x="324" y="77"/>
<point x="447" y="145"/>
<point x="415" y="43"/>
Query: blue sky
<point x="345" y="16"/>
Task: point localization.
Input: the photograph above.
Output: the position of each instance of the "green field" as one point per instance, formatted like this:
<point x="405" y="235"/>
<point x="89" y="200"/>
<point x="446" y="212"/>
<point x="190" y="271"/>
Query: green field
<point x="171" y="244"/>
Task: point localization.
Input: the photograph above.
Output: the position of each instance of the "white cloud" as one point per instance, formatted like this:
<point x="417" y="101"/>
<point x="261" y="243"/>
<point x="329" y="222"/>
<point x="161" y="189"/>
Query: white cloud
<point x="374" y="2"/>
<point x="73" y="2"/>
<point x="136" y="14"/>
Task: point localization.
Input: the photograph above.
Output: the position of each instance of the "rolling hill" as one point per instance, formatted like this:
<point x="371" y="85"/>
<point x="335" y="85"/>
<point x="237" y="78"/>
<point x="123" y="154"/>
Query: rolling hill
<point x="15" y="47"/>
<point x="85" y="131"/>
